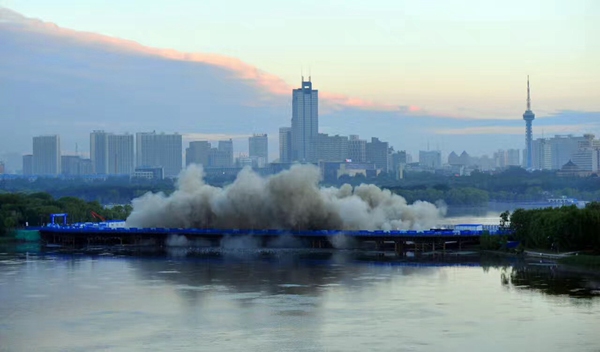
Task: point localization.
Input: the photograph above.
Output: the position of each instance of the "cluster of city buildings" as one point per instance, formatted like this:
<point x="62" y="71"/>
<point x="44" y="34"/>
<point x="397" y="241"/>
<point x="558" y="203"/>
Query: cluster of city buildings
<point x="336" y="155"/>
<point x="159" y="155"/>
<point x="147" y="154"/>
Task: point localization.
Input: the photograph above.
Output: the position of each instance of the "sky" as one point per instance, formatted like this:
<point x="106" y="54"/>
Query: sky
<point x="468" y="58"/>
<point x="457" y="67"/>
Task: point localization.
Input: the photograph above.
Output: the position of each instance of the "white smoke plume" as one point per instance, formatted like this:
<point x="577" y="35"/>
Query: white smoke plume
<point x="290" y="200"/>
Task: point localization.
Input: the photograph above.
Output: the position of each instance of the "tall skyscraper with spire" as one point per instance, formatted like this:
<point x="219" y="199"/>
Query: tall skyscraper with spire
<point x="528" y="116"/>
<point x="305" y="122"/>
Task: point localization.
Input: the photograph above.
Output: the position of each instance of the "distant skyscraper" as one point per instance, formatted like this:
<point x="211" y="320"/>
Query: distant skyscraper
<point x="74" y="165"/>
<point x="305" y="122"/>
<point x="46" y="155"/>
<point x="159" y="150"/>
<point x="357" y="149"/>
<point x="197" y="153"/>
<point x="562" y="148"/>
<point x="541" y="154"/>
<point x="331" y="148"/>
<point x="227" y="148"/>
<point x="99" y="152"/>
<point x="285" y="145"/>
<point x="258" y="146"/>
<point x="378" y="153"/>
<point x="528" y="116"/>
<point x="513" y="157"/>
<point x="121" y="154"/>
<point x="28" y="164"/>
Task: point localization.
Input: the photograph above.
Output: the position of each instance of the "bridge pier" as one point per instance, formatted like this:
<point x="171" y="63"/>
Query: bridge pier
<point x="399" y="247"/>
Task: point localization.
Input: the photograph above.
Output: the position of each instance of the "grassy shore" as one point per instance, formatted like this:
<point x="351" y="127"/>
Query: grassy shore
<point x="583" y="260"/>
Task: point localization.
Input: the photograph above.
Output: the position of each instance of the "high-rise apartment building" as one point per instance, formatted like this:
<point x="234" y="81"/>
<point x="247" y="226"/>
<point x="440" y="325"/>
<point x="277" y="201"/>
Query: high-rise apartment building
<point x="112" y="154"/>
<point x="398" y="158"/>
<point x="74" y="165"/>
<point x="587" y="156"/>
<point x="500" y="159"/>
<point x="28" y="165"/>
<point x="357" y="149"/>
<point x="258" y="146"/>
<point x="285" y="145"/>
<point x="159" y="150"/>
<point x="378" y="154"/>
<point x="120" y="154"/>
<point x="99" y="152"/>
<point x="562" y="149"/>
<point x="541" y="154"/>
<point x="305" y="122"/>
<point x="331" y="148"/>
<point x="513" y="157"/>
<point x="46" y="155"/>
<point x="197" y="153"/>
<point x="226" y="147"/>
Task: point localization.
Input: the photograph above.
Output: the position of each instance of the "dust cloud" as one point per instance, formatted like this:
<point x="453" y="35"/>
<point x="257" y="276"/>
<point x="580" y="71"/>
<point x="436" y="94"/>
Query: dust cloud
<point x="291" y="199"/>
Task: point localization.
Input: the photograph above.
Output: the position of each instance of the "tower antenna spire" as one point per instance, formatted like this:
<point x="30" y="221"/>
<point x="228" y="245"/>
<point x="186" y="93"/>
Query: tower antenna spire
<point x="528" y="95"/>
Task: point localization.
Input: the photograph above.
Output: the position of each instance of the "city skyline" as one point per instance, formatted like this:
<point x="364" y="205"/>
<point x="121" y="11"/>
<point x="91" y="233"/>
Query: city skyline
<point x="254" y="96"/>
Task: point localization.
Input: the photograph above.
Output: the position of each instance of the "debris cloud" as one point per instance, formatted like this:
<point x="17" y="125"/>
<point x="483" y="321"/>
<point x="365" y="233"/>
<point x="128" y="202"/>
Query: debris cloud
<point x="291" y="199"/>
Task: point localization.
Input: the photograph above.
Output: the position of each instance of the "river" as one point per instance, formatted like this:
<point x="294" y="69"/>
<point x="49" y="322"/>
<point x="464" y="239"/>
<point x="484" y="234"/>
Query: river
<point x="290" y="300"/>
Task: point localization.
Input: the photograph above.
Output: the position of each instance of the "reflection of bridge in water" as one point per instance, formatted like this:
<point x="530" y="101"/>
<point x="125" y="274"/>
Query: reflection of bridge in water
<point x="448" y="237"/>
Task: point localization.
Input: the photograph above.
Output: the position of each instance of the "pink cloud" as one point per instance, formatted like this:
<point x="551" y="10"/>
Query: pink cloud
<point x="269" y="82"/>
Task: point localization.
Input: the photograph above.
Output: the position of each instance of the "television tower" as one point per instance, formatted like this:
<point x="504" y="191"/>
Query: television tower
<point x="528" y="116"/>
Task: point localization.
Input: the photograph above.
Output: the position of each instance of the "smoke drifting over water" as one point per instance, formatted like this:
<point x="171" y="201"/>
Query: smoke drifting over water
<point x="291" y="199"/>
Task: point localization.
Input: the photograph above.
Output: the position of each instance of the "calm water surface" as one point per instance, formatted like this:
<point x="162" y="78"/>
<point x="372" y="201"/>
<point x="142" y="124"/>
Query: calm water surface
<point x="283" y="300"/>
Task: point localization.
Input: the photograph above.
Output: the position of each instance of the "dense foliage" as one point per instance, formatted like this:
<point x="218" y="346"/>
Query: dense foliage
<point x="116" y="190"/>
<point x="18" y="209"/>
<point x="560" y="229"/>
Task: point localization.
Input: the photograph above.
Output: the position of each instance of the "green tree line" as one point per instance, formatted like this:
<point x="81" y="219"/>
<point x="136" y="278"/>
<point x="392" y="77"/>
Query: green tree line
<point x="560" y="229"/>
<point x="18" y="210"/>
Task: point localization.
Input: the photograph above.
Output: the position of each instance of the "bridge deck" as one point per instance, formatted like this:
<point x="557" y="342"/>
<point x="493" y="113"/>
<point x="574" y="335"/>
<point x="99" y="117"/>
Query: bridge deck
<point x="449" y="233"/>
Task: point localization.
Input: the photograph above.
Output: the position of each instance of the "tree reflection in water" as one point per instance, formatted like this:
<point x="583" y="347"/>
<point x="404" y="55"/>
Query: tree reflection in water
<point x="550" y="279"/>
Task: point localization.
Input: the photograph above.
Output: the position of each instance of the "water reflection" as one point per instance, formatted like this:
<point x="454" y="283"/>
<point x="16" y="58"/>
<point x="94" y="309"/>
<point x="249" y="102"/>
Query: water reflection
<point x="550" y="279"/>
<point x="273" y="300"/>
<point x="275" y="272"/>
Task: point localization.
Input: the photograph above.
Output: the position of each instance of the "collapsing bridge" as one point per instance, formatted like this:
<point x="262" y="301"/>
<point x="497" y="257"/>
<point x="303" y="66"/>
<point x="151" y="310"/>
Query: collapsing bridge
<point x="451" y="237"/>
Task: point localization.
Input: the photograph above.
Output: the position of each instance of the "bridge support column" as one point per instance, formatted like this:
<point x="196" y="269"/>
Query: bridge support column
<point x="399" y="247"/>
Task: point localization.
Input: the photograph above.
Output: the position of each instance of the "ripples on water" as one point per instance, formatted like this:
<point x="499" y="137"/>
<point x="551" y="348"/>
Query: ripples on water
<point x="290" y="300"/>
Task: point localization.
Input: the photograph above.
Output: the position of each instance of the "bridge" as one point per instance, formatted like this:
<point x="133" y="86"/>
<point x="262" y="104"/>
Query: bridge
<point x="398" y="240"/>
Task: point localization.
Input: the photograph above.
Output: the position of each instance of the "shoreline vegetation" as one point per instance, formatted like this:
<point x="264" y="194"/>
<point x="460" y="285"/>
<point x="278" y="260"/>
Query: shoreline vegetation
<point x="547" y="230"/>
